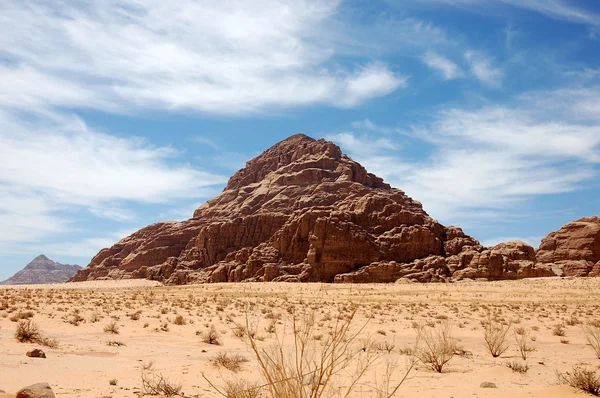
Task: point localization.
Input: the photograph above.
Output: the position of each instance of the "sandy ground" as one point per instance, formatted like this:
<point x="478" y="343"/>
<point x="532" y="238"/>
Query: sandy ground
<point x="161" y="332"/>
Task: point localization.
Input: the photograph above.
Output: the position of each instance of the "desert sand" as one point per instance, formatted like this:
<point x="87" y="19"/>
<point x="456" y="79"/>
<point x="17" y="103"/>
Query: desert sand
<point x="109" y="335"/>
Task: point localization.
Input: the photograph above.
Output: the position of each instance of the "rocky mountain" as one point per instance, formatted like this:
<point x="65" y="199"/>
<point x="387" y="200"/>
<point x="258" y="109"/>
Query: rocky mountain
<point x="574" y="250"/>
<point x="303" y="211"/>
<point x="42" y="270"/>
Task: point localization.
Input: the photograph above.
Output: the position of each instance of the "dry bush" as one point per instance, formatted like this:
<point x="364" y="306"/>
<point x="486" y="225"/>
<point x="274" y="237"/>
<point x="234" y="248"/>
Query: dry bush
<point x="522" y="337"/>
<point x="587" y="380"/>
<point x="592" y="334"/>
<point x="306" y="368"/>
<point x="518" y="367"/>
<point x="229" y="362"/>
<point x="495" y="336"/>
<point x="157" y="384"/>
<point x="22" y="315"/>
<point x="558" y="330"/>
<point x="27" y="332"/>
<point x="111" y="328"/>
<point x="179" y="320"/>
<point x="211" y="336"/>
<point x="241" y="388"/>
<point x="435" y="346"/>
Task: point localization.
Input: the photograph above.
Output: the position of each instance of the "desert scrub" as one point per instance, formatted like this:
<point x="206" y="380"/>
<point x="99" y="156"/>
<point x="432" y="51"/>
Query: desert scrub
<point x="583" y="379"/>
<point x="158" y="385"/>
<point x="112" y="328"/>
<point x="495" y="336"/>
<point x="231" y="362"/>
<point x="211" y="336"/>
<point x="435" y="346"/>
<point x="28" y="332"/>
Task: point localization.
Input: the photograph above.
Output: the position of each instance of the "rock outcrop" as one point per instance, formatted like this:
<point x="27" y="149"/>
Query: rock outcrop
<point x="302" y="211"/>
<point x="39" y="390"/>
<point x="42" y="270"/>
<point x="574" y="250"/>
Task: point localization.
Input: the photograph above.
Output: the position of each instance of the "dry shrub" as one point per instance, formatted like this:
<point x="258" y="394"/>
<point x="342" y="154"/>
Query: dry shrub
<point x="111" y="328"/>
<point x="495" y="336"/>
<point x="435" y="346"/>
<point x="518" y="367"/>
<point x="179" y="320"/>
<point x="157" y="384"/>
<point x="229" y="362"/>
<point x="587" y="380"/>
<point x="211" y="336"/>
<point x="592" y="334"/>
<point x="241" y="388"/>
<point x="522" y="337"/>
<point x="29" y="332"/>
<point x="305" y="367"/>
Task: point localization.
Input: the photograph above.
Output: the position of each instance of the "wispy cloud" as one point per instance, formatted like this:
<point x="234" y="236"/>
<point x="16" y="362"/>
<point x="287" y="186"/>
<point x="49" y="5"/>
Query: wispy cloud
<point x="447" y="68"/>
<point x="368" y="125"/>
<point x="482" y="68"/>
<point x="486" y="162"/>
<point x="565" y="10"/>
<point x="218" y="57"/>
<point x="55" y="167"/>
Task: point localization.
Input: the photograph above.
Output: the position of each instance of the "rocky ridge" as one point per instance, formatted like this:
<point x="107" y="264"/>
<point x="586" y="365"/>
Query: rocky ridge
<point x="42" y="270"/>
<point x="304" y="212"/>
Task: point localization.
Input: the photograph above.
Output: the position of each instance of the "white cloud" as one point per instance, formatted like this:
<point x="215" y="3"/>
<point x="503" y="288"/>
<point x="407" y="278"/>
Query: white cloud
<point x="486" y="162"/>
<point x="441" y="64"/>
<point x="367" y="124"/>
<point x="362" y="145"/>
<point x="53" y="167"/>
<point x="482" y="68"/>
<point x="220" y="57"/>
<point x="565" y="10"/>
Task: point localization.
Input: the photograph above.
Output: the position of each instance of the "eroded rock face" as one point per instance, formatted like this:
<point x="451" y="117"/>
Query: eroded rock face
<point x="574" y="250"/>
<point x="304" y="212"/>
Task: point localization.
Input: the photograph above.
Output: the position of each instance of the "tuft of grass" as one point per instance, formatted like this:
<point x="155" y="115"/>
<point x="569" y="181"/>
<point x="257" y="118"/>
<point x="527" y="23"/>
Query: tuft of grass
<point x="229" y="362"/>
<point x="518" y="367"/>
<point x="158" y="385"/>
<point x="558" y="330"/>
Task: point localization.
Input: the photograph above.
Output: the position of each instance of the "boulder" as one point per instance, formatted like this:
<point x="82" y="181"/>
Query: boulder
<point x="39" y="390"/>
<point x="37" y="353"/>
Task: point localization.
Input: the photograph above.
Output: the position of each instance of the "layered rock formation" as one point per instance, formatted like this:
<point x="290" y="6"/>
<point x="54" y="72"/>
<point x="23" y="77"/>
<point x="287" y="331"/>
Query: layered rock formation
<point x="303" y="211"/>
<point x="574" y="250"/>
<point x="42" y="270"/>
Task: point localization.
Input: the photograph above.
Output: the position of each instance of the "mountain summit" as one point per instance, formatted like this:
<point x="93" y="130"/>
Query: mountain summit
<point x="42" y="270"/>
<point x="303" y="211"/>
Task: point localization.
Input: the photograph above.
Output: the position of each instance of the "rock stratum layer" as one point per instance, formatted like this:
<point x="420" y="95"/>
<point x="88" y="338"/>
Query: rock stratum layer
<point x="304" y="212"/>
<point x="42" y="270"/>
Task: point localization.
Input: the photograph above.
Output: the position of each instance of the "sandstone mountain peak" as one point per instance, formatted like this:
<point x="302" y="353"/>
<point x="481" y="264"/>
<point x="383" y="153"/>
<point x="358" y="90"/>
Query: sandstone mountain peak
<point x="42" y="270"/>
<point x="304" y="211"/>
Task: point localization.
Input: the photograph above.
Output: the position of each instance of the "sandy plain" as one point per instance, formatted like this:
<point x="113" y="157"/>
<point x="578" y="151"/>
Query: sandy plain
<point x="112" y="335"/>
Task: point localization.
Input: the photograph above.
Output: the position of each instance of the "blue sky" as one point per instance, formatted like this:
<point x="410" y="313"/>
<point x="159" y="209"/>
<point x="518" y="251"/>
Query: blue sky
<point x="120" y="113"/>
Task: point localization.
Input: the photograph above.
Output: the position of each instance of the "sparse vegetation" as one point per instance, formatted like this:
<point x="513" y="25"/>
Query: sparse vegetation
<point x="231" y="362"/>
<point x="158" y="385"/>
<point x="112" y="328"/>
<point x="587" y="380"/>
<point x="592" y="334"/>
<point x="435" y="347"/>
<point x="495" y="336"/>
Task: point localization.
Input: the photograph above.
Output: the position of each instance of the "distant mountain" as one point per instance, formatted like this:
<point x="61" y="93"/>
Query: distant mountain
<point x="42" y="270"/>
